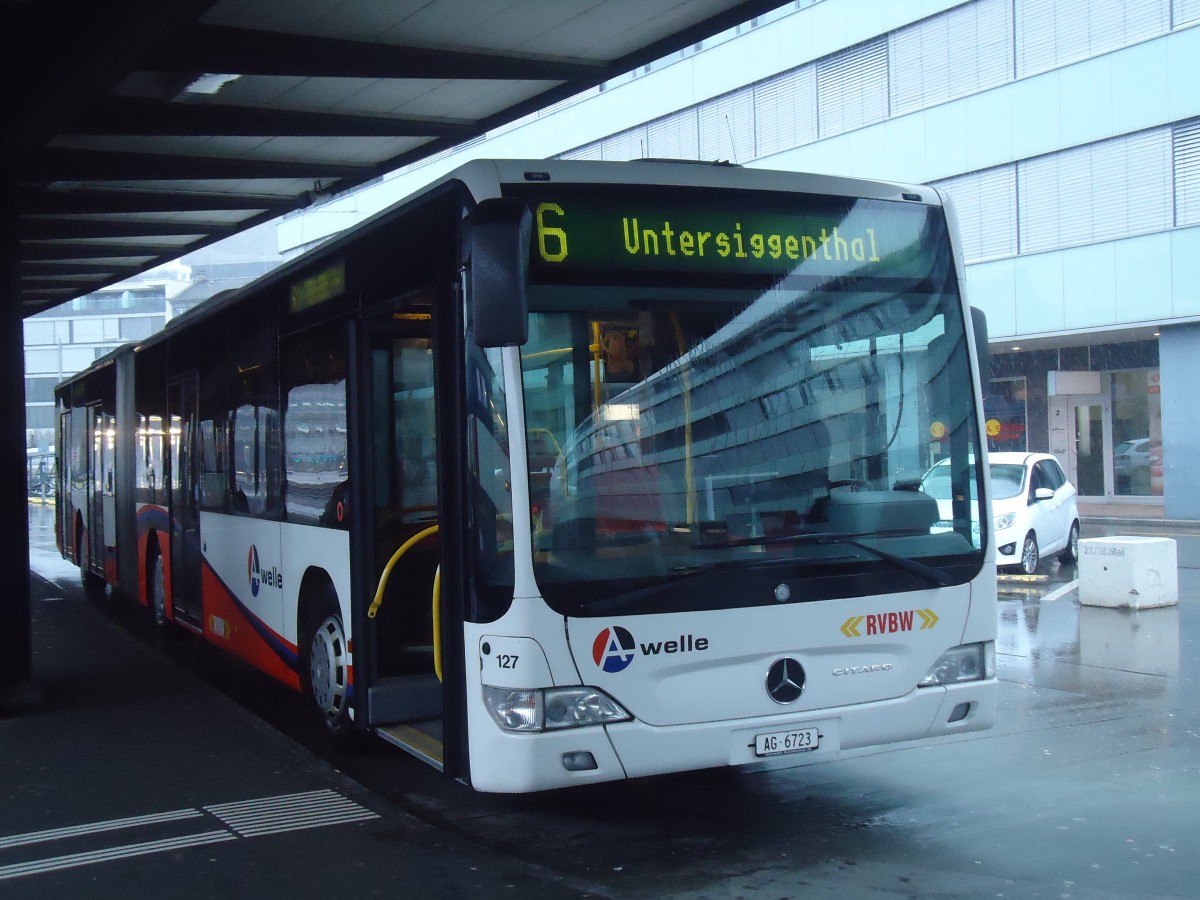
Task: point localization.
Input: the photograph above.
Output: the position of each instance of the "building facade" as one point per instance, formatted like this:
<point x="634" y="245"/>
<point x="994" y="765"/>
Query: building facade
<point x="68" y="338"/>
<point x="64" y="340"/>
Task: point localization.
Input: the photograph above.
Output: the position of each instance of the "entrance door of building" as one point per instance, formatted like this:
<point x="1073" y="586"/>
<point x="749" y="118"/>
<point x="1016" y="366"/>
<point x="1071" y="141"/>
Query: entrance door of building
<point x="1081" y="438"/>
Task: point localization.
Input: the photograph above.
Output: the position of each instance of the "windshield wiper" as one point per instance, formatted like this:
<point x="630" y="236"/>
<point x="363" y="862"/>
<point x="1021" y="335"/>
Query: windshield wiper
<point x="931" y="574"/>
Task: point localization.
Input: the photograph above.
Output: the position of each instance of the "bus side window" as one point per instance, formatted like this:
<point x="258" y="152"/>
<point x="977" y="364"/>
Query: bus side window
<point x="314" y="432"/>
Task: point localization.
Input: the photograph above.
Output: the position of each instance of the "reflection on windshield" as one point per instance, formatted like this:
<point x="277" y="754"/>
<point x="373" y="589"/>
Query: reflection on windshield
<point x="659" y="425"/>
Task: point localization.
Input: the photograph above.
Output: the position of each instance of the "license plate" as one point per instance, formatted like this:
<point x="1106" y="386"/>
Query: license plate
<point x="798" y="740"/>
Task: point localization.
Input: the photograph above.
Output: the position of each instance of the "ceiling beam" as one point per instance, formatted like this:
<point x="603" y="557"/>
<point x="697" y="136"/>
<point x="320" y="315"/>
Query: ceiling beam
<point x="82" y="250"/>
<point x="138" y="116"/>
<point x="244" y="51"/>
<point x="54" y="229"/>
<point x="36" y="266"/>
<point x="82" y="285"/>
<point x="56" y="164"/>
<point x="86" y="200"/>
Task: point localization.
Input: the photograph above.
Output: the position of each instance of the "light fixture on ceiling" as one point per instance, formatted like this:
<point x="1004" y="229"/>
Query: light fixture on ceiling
<point x="209" y="83"/>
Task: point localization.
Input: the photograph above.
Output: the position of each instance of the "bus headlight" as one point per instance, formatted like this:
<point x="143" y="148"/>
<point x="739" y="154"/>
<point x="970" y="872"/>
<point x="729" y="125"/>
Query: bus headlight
<point x="968" y="662"/>
<point x="549" y="709"/>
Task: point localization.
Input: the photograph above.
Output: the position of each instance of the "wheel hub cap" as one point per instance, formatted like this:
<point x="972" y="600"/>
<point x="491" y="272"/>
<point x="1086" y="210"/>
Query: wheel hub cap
<point x="328" y="667"/>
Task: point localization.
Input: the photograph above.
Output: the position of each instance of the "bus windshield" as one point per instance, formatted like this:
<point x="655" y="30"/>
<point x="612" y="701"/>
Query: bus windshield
<point x="766" y="434"/>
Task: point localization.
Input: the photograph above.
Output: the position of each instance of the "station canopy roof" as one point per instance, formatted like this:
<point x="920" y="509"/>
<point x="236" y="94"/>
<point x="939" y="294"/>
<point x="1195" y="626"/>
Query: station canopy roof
<point x="140" y="130"/>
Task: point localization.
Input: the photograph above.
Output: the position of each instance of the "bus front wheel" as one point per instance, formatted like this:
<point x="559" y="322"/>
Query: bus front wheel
<point x="324" y="670"/>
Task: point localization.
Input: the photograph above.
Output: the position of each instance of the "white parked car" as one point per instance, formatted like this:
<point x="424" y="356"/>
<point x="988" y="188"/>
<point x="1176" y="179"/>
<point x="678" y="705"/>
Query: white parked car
<point x="1034" y="510"/>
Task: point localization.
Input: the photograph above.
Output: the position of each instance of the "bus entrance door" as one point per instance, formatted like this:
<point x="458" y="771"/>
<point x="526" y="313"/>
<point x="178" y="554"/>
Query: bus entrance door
<point x="405" y="698"/>
<point x="93" y="558"/>
<point x="185" y="511"/>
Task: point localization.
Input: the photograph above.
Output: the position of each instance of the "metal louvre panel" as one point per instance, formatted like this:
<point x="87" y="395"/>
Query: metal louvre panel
<point x="1100" y="192"/>
<point x="1051" y="33"/>
<point x="1184" y="12"/>
<point x="630" y="144"/>
<point x="674" y="136"/>
<point x="1131" y="180"/>
<point x="852" y="88"/>
<point x="959" y="52"/>
<point x="588" y="151"/>
<point x="1187" y="173"/>
<point x="727" y="127"/>
<point x="986" y="204"/>
<point x="1045" y="185"/>
<point x="785" y="111"/>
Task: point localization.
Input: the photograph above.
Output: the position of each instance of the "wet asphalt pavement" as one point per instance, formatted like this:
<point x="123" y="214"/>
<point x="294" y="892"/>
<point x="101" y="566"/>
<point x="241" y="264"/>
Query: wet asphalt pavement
<point x="1088" y="787"/>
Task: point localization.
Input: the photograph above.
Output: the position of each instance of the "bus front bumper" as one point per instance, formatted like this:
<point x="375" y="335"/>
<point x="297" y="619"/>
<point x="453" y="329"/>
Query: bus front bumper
<point x="534" y="762"/>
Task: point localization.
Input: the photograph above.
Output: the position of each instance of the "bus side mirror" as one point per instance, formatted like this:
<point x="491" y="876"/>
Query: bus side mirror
<point x="499" y="245"/>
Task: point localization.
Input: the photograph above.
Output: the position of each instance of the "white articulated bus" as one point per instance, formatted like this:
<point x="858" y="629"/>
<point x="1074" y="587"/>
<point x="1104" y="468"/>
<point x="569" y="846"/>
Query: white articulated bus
<point x="566" y="472"/>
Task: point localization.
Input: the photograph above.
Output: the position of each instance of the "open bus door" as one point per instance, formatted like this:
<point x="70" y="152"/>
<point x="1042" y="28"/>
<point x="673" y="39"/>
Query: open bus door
<point x="182" y="408"/>
<point x="95" y="491"/>
<point x="62" y="487"/>
<point x="397" y="543"/>
<point x="75" y="480"/>
<point x="88" y="532"/>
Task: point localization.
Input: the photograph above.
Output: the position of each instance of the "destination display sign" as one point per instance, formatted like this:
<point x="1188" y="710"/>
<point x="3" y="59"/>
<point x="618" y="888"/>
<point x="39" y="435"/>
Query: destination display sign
<point x="635" y="228"/>
<point x="318" y="287"/>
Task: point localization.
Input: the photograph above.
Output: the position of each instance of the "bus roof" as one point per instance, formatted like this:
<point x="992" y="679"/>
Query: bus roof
<point x="486" y="178"/>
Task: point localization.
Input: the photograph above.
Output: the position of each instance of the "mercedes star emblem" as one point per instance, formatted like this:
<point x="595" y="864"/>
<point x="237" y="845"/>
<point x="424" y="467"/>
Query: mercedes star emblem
<point x="785" y="680"/>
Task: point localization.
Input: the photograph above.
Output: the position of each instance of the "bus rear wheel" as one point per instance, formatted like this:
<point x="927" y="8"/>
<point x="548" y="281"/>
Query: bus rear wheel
<point x="324" y="671"/>
<point x="93" y="584"/>
<point x="156" y="590"/>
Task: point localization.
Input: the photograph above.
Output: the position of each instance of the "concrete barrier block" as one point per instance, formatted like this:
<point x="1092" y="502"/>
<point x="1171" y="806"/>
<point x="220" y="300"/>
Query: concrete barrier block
<point x="1134" y="572"/>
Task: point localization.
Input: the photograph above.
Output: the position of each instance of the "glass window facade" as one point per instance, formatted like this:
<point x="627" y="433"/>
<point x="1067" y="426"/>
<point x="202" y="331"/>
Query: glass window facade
<point x="1006" y="414"/>
<point x="1137" y="433"/>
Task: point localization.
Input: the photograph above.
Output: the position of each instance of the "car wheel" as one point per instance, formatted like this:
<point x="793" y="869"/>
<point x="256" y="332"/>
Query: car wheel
<point x="1029" y="554"/>
<point x="1070" y="553"/>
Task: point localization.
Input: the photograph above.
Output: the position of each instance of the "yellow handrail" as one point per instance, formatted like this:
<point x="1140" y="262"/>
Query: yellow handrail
<point x="387" y="570"/>
<point x="596" y="357"/>
<point x="437" y="623"/>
